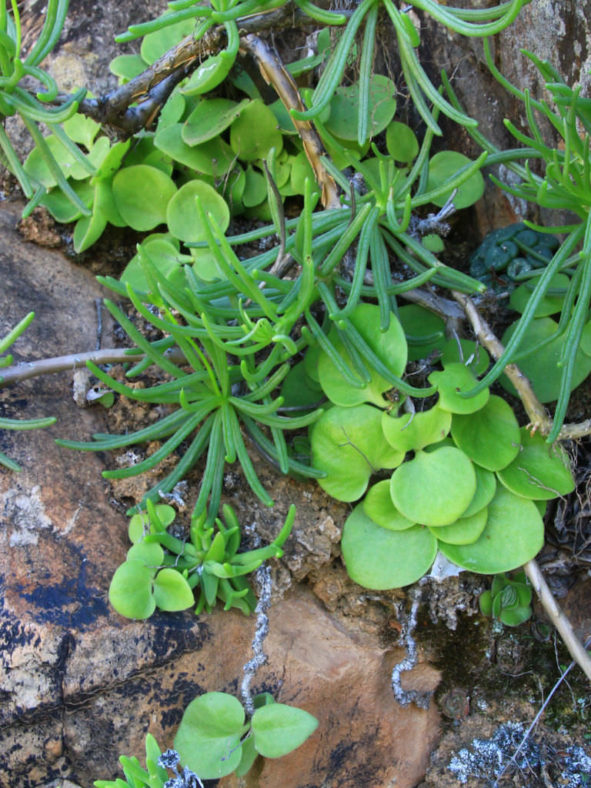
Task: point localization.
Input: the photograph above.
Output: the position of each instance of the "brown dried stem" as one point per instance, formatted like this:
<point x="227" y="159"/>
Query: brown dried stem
<point x="275" y="74"/>
<point x="557" y="617"/>
<point x="535" y="410"/>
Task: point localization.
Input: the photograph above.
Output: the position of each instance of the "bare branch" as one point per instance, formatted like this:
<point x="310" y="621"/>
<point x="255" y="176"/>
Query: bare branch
<point x="534" y="408"/>
<point x="557" y="617"/>
<point x="275" y="74"/>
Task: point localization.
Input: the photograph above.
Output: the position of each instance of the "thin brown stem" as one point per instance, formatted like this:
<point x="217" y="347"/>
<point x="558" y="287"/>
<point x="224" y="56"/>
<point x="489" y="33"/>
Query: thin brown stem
<point x="47" y="366"/>
<point x="557" y="617"/>
<point x="275" y="74"/>
<point x="533" y="407"/>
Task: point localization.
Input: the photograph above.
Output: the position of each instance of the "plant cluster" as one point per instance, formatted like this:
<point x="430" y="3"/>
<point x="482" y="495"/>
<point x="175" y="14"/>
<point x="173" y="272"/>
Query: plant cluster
<point x="165" y="572"/>
<point x="465" y="477"/>
<point x="214" y="740"/>
<point x="509" y="599"/>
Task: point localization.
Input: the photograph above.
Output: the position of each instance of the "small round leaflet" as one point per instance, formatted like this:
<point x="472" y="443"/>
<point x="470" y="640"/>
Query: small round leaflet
<point x="514" y="533"/>
<point x="490" y="436"/>
<point x="379" y="559"/>
<point x="539" y="471"/>
<point x="435" y="488"/>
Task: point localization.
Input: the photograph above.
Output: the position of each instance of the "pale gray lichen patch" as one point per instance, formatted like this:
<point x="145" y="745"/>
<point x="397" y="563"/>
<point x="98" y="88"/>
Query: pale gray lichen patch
<point x="26" y="514"/>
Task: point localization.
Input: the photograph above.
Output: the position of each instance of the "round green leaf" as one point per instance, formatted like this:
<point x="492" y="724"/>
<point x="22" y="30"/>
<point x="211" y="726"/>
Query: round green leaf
<point x="389" y="346"/>
<point x="208" y="738"/>
<point x="279" y="729"/>
<point x="539" y="471"/>
<point x="435" y="488"/>
<point x="160" y="41"/>
<point x="433" y="243"/>
<point x="513" y="534"/>
<point x="183" y="218"/>
<point x="300" y="170"/>
<point x="414" y="431"/>
<point x="550" y="303"/>
<point x="401" y="142"/>
<point x="348" y="445"/>
<point x="130" y="592"/>
<point x="255" y="132"/>
<point x="424" y="331"/>
<point x="127" y="66"/>
<point x="161" y="253"/>
<point x="209" y="118"/>
<point x="255" y="188"/>
<point x="465" y="530"/>
<point x="380" y="559"/>
<point x="444" y="166"/>
<point x="139" y="524"/>
<point x="344" y="108"/>
<point x="171" y="591"/>
<point x="486" y="485"/>
<point x="451" y="382"/>
<point x="150" y="554"/>
<point x="141" y="194"/>
<point x="214" y="157"/>
<point x="211" y="72"/>
<point x="490" y="436"/>
<point x="379" y="507"/>
<point x="541" y="366"/>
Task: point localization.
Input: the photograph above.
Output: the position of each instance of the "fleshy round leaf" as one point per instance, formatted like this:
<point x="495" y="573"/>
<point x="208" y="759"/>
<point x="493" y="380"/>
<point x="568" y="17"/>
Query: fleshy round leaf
<point x="208" y="738"/>
<point x="214" y="157"/>
<point x="379" y="507"/>
<point x="451" y="382"/>
<point x="401" y="142"/>
<point x="211" y="72"/>
<point x="435" y="488"/>
<point x="414" y="431"/>
<point x="424" y="331"/>
<point x="541" y="366"/>
<point x="161" y="253"/>
<point x="389" y="346"/>
<point x="184" y="221"/>
<point x="209" y="118"/>
<point x="442" y="167"/>
<point x="348" y="444"/>
<point x="279" y="729"/>
<point x="130" y="591"/>
<point x="514" y="533"/>
<point x="551" y="302"/>
<point x="465" y="530"/>
<point x="379" y="559"/>
<point x="490" y="436"/>
<point x="344" y="108"/>
<point x="539" y="471"/>
<point x="255" y="132"/>
<point x="171" y="591"/>
<point x="141" y="194"/>
<point x="160" y="41"/>
<point x="486" y="486"/>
